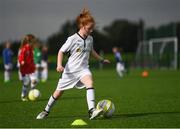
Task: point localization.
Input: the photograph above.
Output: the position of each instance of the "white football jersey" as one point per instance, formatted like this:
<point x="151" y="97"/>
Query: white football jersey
<point x="79" y="49"/>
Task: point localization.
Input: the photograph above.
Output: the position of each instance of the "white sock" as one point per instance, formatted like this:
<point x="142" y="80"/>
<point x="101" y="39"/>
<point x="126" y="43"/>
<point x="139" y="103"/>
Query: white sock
<point x="90" y="98"/>
<point x="37" y="75"/>
<point x="120" y="73"/>
<point x="44" y="74"/>
<point x="6" y="75"/>
<point x="50" y="103"/>
<point x="24" y="91"/>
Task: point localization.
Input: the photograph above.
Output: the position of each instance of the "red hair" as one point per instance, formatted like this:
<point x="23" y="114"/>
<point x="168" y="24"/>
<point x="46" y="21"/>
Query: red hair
<point x="28" y="39"/>
<point x="84" y="18"/>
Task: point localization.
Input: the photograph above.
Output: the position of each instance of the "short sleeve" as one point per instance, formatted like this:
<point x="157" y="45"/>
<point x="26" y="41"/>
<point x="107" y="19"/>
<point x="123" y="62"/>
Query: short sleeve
<point x="67" y="45"/>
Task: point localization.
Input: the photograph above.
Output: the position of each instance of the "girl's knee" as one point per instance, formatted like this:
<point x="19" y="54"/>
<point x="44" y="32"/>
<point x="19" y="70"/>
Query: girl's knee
<point x="89" y="83"/>
<point x="34" y="82"/>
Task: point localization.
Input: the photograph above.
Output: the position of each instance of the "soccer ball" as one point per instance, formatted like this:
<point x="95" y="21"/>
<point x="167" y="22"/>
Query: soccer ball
<point x="107" y="106"/>
<point x="34" y="94"/>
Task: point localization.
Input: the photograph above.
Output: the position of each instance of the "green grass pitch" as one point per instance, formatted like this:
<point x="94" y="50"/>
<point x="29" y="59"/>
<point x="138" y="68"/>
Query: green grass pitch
<point x="140" y="102"/>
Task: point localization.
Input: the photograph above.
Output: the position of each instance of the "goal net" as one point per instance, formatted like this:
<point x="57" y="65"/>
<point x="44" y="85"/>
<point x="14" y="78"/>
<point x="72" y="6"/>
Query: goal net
<point x="158" y="53"/>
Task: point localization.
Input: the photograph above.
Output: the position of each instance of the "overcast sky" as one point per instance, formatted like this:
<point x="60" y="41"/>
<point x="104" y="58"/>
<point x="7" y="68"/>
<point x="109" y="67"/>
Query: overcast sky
<point x="44" y="17"/>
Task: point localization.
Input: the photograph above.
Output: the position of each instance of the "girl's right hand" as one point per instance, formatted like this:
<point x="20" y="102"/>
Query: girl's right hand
<point x="60" y="68"/>
<point x="22" y="63"/>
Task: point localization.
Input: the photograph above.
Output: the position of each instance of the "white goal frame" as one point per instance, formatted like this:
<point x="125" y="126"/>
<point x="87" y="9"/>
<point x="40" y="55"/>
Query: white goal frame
<point x="173" y="40"/>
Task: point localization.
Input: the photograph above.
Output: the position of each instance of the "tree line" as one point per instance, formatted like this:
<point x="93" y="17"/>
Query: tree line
<point x="121" y="33"/>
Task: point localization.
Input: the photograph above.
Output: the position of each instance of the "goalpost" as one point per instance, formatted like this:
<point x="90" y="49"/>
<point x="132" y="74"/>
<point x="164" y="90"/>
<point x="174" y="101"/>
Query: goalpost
<point x="158" y="53"/>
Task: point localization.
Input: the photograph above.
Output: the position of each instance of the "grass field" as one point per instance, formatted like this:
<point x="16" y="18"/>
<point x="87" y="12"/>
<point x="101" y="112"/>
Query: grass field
<point x="140" y="102"/>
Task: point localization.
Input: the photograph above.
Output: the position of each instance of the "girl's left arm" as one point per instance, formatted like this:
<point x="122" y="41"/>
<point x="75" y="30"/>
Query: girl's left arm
<point x="98" y="57"/>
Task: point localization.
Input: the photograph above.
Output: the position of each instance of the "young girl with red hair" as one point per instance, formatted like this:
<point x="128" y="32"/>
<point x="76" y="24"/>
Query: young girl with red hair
<point x="76" y="73"/>
<point x="26" y="65"/>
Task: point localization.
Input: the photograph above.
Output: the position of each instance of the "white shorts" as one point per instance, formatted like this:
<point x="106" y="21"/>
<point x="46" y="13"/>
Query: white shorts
<point x="120" y="66"/>
<point x="44" y="64"/>
<point x="70" y="80"/>
<point x="8" y="66"/>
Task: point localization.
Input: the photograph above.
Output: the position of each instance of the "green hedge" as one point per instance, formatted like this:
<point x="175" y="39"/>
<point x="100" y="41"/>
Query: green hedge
<point x="128" y="58"/>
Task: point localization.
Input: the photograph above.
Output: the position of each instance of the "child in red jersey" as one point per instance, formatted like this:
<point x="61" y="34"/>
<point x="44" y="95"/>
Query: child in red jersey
<point x="27" y="66"/>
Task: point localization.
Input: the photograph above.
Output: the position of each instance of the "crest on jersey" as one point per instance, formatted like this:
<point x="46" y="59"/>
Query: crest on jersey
<point x="78" y="50"/>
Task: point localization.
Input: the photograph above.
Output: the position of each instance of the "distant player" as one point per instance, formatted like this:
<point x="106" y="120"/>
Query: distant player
<point x="119" y="62"/>
<point x="37" y="60"/>
<point x="76" y="72"/>
<point x="27" y="66"/>
<point x="8" y="63"/>
<point x="44" y="64"/>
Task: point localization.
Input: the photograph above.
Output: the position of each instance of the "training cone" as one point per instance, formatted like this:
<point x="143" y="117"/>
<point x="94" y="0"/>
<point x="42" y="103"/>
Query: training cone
<point x="145" y="74"/>
<point x="78" y="122"/>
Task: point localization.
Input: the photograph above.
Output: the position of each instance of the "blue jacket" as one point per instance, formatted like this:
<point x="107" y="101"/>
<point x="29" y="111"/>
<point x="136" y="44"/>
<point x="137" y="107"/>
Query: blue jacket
<point x="7" y="56"/>
<point x="118" y="57"/>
